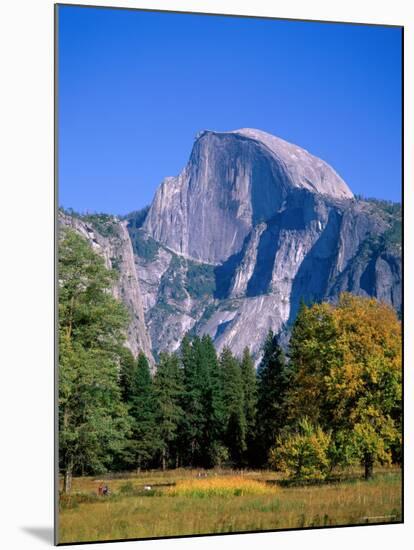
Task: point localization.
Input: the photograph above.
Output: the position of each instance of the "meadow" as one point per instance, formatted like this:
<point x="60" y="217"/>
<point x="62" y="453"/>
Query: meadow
<point x="186" y="502"/>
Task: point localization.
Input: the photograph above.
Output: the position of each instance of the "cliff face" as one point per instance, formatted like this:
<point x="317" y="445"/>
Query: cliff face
<point x="233" y="181"/>
<point x="230" y="247"/>
<point x="267" y="225"/>
<point x="111" y="240"/>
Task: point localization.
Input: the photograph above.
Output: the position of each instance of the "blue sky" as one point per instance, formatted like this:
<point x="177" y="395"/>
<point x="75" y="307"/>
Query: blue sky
<point x="136" y="87"/>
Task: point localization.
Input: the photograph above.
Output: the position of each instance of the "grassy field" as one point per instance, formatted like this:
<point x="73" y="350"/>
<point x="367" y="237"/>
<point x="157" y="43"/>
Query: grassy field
<point x="184" y="502"/>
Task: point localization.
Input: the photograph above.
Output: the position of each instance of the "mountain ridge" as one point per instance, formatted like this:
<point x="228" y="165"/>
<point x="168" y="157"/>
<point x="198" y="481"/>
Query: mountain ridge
<point x="232" y="181"/>
<point x="231" y="245"/>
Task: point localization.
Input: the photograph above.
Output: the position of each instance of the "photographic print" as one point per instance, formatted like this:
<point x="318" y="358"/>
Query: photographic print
<point x="229" y="274"/>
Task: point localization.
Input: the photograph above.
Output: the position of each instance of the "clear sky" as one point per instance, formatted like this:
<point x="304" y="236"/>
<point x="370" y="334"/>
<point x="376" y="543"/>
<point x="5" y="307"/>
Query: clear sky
<point x="136" y="87"/>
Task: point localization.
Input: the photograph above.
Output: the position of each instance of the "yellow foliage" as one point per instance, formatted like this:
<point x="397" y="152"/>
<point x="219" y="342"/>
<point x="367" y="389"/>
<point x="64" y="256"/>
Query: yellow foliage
<point x="228" y="486"/>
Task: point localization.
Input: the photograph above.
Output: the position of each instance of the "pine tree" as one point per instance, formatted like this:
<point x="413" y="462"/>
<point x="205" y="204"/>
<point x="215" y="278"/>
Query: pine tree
<point x="126" y="373"/>
<point x="193" y="421"/>
<point x="249" y="382"/>
<point x="168" y="385"/>
<point x="212" y="403"/>
<point x="144" y="441"/>
<point x="273" y="383"/>
<point x="233" y="401"/>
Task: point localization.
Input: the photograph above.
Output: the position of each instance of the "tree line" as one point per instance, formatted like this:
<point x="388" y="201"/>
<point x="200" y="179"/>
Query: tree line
<point x="334" y="401"/>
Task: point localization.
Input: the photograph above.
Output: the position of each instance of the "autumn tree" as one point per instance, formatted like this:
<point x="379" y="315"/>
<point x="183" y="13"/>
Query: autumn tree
<point x="346" y="361"/>
<point x="367" y="387"/>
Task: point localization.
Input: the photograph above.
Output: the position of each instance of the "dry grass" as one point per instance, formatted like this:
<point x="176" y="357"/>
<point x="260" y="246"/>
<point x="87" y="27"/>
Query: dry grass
<point x="131" y="514"/>
<point x="223" y="486"/>
<point x="158" y="477"/>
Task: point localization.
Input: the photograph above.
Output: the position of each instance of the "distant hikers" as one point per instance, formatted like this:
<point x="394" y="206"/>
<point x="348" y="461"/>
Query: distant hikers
<point x="103" y="490"/>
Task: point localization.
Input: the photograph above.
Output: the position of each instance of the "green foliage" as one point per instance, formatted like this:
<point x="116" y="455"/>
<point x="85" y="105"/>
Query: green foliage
<point x="249" y="383"/>
<point x="202" y="401"/>
<point x="200" y="280"/>
<point x="136" y="218"/>
<point x="168" y="387"/>
<point x="313" y="352"/>
<point x="391" y="212"/>
<point x="303" y="453"/>
<point x="393" y="235"/>
<point x="389" y="207"/>
<point x="143" y="245"/>
<point x="233" y="401"/>
<point x="172" y="281"/>
<point x="93" y="421"/>
<point x="343" y="383"/>
<point x="104" y="224"/>
<point x="139" y="395"/>
<point x="116" y="263"/>
<point x="346" y="362"/>
<point x="273" y="383"/>
<point x="126" y="374"/>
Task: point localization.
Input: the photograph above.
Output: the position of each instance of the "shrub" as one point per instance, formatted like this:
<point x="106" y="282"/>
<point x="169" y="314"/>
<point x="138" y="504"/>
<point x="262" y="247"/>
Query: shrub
<point x="303" y="454"/>
<point x="144" y="246"/>
<point x="200" y="280"/>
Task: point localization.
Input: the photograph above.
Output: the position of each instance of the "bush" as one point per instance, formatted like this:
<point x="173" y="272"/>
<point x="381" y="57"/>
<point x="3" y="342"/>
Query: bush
<point x="303" y="454"/>
<point x="104" y="224"/>
<point x="200" y="280"/>
<point x="144" y="246"/>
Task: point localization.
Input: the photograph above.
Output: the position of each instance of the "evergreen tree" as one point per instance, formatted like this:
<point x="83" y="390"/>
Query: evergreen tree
<point x="126" y="374"/>
<point x="193" y="421"/>
<point x="201" y="425"/>
<point x="273" y="383"/>
<point x="249" y="382"/>
<point x="233" y="401"/>
<point x="168" y="385"/>
<point x="144" y="441"/>
<point x="212" y="403"/>
<point x="93" y="421"/>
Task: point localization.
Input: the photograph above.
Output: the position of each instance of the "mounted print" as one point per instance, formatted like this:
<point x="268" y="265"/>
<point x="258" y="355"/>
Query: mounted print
<point x="229" y="274"/>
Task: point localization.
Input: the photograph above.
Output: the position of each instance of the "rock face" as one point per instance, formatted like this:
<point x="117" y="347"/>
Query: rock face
<point x="111" y="240"/>
<point x="233" y="181"/>
<point x="230" y="247"/>
<point x="267" y="225"/>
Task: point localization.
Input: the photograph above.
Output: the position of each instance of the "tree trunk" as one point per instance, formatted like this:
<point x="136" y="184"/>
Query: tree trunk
<point x="139" y="466"/>
<point x="163" y="460"/>
<point x="67" y="480"/>
<point x="369" y="465"/>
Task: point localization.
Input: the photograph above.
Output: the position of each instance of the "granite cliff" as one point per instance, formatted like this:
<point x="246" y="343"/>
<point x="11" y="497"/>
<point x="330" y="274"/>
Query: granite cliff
<point x="109" y="237"/>
<point x="249" y="228"/>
